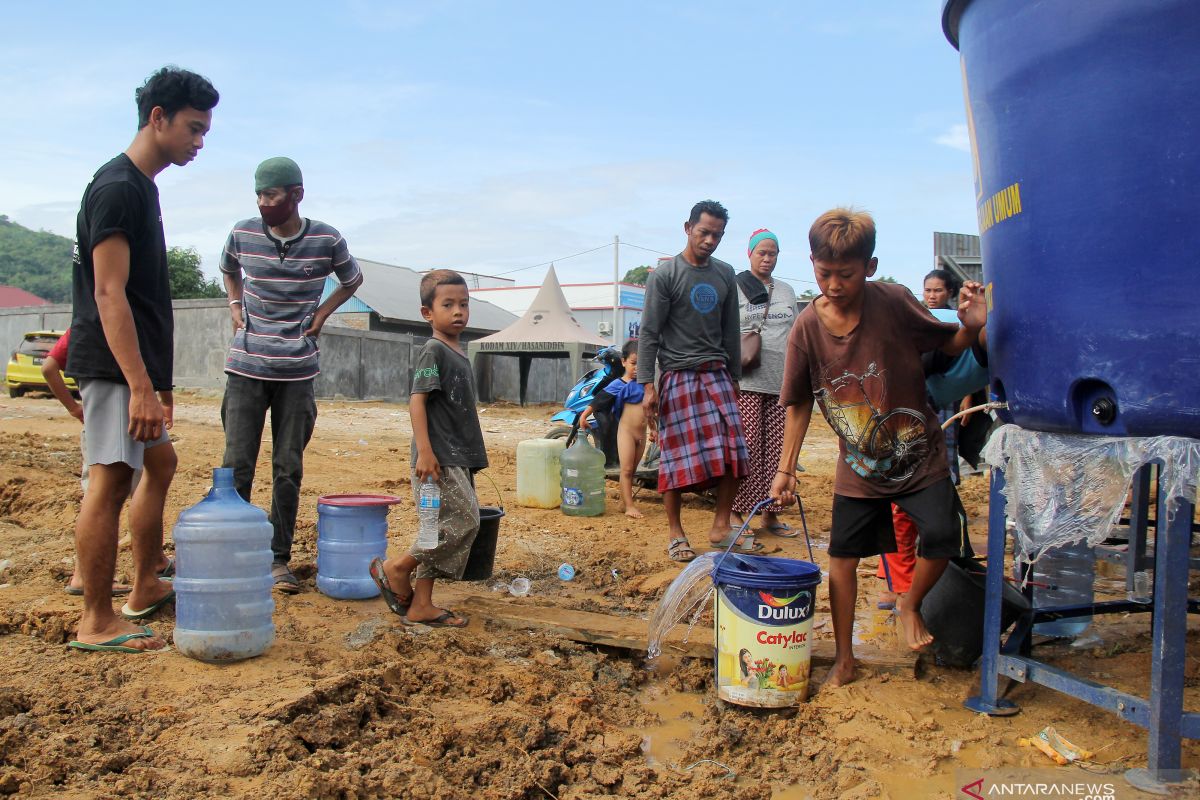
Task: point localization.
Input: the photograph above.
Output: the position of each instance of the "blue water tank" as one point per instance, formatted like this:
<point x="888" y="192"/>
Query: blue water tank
<point x="351" y="531"/>
<point x="1085" y="134"/>
<point x="223" y="581"/>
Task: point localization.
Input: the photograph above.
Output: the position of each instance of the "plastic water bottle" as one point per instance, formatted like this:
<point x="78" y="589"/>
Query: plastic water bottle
<point x="1070" y="569"/>
<point x="223" y="576"/>
<point x="429" y="508"/>
<point x="582" y="480"/>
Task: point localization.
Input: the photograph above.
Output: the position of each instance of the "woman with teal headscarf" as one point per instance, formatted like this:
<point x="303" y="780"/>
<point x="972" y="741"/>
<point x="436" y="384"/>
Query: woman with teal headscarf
<point x="768" y="307"/>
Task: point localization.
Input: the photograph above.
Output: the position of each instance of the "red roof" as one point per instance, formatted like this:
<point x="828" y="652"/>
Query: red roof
<point x="11" y="297"/>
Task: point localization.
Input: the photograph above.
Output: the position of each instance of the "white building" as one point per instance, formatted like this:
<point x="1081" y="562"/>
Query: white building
<point x="591" y="303"/>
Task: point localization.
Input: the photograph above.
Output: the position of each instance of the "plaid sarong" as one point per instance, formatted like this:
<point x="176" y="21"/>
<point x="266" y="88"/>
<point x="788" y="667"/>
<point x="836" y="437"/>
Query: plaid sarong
<point x="699" y="428"/>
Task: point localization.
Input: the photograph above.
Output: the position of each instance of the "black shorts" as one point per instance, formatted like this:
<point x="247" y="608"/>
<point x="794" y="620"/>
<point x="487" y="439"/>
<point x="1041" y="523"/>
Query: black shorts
<point x="863" y="526"/>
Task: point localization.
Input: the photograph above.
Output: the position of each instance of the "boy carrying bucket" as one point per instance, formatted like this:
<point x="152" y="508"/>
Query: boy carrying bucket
<point x="447" y="445"/>
<point x="857" y="351"/>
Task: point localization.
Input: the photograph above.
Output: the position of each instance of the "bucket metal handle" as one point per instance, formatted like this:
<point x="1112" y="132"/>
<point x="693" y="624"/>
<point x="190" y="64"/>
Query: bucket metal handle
<point x="499" y="494"/>
<point x="761" y="504"/>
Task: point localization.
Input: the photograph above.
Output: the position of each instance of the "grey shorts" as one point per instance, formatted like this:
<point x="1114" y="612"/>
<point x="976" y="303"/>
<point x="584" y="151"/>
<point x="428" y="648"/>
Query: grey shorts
<point x="83" y="474"/>
<point x="106" y="413"/>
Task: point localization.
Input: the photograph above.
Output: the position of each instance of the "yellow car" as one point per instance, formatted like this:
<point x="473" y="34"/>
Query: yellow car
<point x="25" y="364"/>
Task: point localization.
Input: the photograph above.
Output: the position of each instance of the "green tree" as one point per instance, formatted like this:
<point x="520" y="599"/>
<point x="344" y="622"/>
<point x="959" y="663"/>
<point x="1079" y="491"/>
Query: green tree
<point x="808" y="295"/>
<point x="886" y="279"/>
<point x="36" y="261"/>
<point x="638" y="275"/>
<point x="187" y="280"/>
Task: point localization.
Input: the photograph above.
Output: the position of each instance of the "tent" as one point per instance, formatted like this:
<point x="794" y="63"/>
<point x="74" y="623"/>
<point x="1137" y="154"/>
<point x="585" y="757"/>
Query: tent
<point x="548" y="330"/>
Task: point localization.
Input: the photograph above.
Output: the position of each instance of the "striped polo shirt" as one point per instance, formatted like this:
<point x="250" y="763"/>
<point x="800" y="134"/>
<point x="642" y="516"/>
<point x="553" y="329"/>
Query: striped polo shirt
<point x="281" y="289"/>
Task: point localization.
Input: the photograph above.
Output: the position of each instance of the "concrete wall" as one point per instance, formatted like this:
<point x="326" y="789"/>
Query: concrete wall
<point x="16" y="322"/>
<point x="357" y="364"/>
<point x="203" y="330"/>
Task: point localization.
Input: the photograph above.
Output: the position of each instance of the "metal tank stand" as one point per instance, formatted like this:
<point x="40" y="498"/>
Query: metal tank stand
<point x="1162" y="715"/>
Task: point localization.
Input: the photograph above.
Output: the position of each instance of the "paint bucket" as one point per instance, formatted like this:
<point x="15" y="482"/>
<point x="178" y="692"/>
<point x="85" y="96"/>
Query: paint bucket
<point x="763" y="620"/>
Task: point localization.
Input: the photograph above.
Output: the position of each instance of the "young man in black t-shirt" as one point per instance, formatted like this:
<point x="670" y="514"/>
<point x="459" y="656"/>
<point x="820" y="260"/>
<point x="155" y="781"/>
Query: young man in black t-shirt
<point x="122" y="341"/>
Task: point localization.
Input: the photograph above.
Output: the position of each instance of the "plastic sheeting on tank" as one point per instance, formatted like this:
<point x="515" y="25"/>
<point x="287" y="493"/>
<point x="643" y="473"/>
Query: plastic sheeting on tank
<point x="1061" y="488"/>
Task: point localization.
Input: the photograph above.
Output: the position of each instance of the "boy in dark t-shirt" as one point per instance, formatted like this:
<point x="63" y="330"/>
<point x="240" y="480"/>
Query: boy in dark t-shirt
<point x="857" y="351"/>
<point x="121" y="354"/>
<point x="447" y="446"/>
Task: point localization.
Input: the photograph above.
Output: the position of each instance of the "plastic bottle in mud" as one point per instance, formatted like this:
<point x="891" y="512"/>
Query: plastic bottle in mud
<point x="429" y="508"/>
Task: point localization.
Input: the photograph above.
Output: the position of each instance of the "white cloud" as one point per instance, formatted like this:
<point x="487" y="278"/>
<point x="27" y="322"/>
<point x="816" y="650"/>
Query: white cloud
<point x="955" y="138"/>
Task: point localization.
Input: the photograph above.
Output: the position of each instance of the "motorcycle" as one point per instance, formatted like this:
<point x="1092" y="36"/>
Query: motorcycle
<point x="601" y="430"/>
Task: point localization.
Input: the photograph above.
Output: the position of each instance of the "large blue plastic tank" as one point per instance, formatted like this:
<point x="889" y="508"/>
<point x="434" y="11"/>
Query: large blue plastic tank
<point x="1085" y="132"/>
<point x="223" y="602"/>
<point x="351" y="530"/>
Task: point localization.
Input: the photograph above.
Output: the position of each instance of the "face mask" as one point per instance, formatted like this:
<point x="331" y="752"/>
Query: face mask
<point x="274" y="216"/>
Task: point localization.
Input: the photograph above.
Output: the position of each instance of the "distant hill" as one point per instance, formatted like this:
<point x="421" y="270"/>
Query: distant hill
<point x="36" y="261"/>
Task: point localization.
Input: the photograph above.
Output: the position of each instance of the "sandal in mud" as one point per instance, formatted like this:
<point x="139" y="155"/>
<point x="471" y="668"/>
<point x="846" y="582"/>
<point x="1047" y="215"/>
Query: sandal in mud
<point x="680" y="551"/>
<point x="285" y="581"/>
<point x="440" y="621"/>
<point x="397" y="605"/>
<point x="746" y="546"/>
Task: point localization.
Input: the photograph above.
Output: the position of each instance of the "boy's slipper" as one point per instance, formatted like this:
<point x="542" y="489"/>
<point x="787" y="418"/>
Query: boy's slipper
<point x="782" y="530"/>
<point x="285" y="581"/>
<point x="117" y="644"/>
<point x="117" y="591"/>
<point x="680" y="551"/>
<point x="129" y="613"/>
<point x="397" y="605"/>
<point x="747" y="547"/>
<point x="168" y="572"/>
<point x="440" y="621"/>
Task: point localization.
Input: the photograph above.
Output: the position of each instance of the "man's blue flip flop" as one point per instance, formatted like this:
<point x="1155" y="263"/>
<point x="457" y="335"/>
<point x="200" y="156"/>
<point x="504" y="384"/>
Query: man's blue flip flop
<point x="117" y="644"/>
<point x="129" y="613"/>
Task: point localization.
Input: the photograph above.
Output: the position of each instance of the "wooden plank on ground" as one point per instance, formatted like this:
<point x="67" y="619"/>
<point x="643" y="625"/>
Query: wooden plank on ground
<point x="630" y="634"/>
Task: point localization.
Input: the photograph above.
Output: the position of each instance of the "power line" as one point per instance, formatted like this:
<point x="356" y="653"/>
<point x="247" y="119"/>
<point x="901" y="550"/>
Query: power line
<point x="796" y="280"/>
<point x="554" y="260"/>
<point x="647" y="249"/>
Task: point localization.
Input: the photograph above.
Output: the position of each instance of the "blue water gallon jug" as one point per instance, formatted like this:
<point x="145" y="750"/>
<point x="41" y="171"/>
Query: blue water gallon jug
<point x="1083" y="121"/>
<point x="223" y="580"/>
<point x="351" y="530"/>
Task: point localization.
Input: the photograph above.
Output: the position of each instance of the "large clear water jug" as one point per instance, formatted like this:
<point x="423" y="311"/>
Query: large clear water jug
<point x="223" y="580"/>
<point x="582" y="480"/>
<point x="1064" y="576"/>
<point x="351" y="530"/>
<point x="538" y="473"/>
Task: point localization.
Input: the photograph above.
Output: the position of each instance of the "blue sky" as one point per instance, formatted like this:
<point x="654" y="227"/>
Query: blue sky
<point x="491" y="136"/>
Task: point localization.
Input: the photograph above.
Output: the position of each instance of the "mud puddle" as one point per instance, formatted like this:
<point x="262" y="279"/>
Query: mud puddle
<point x="680" y="715"/>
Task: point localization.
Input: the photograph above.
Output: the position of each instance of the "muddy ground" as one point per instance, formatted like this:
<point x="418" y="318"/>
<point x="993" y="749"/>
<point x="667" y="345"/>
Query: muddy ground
<point x="350" y="704"/>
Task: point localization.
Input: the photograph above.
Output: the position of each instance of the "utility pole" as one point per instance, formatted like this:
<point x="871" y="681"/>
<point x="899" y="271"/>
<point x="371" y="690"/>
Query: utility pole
<point x="616" y="284"/>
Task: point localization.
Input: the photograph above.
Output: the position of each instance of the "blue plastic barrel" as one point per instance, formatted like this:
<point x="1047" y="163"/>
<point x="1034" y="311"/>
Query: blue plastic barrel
<point x="763" y="620"/>
<point x="1085" y="133"/>
<point x="351" y="530"/>
<point x="223" y="602"/>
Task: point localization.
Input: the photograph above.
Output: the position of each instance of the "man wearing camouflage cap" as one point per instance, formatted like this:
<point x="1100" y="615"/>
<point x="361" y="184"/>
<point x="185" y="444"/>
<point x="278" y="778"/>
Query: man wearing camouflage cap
<point x="274" y="267"/>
